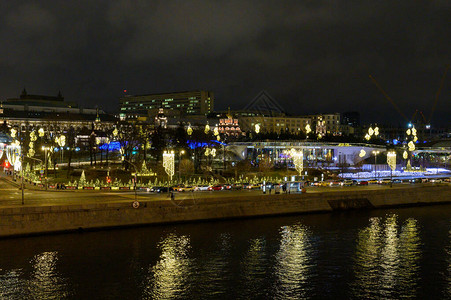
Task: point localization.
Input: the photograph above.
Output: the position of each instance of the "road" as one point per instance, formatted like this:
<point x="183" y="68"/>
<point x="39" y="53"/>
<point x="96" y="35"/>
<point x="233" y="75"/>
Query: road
<point x="10" y="194"/>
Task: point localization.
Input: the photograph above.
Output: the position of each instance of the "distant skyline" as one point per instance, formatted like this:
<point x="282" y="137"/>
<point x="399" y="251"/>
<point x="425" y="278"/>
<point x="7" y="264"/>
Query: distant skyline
<point x="310" y="56"/>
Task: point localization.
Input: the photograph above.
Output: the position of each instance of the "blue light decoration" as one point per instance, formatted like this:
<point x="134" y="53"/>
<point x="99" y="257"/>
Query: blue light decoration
<point x="194" y="145"/>
<point x="395" y="142"/>
<point x="113" y="146"/>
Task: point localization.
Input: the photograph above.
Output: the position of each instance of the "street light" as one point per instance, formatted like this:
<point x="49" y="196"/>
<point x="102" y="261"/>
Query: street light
<point x="375" y="155"/>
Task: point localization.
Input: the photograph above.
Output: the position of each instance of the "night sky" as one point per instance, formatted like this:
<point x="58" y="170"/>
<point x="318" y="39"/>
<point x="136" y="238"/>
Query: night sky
<point x="310" y="56"/>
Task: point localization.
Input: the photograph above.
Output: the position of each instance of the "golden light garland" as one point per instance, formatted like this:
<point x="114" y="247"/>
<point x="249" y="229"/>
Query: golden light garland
<point x="168" y="163"/>
<point x="391" y="160"/>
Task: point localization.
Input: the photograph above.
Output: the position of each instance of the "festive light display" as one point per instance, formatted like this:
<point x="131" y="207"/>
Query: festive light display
<point x="216" y="131"/>
<point x="207" y="129"/>
<point x="391" y="160"/>
<point x="13" y="132"/>
<point x="362" y="153"/>
<point x="405" y="155"/>
<point x="308" y="129"/>
<point x="189" y="131"/>
<point x="13" y="152"/>
<point x="411" y="146"/>
<point x="115" y="132"/>
<point x="298" y="159"/>
<point x="41" y="132"/>
<point x="257" y="128"/>
<point x="168" y="163"/>
<point x="61" y="140"/>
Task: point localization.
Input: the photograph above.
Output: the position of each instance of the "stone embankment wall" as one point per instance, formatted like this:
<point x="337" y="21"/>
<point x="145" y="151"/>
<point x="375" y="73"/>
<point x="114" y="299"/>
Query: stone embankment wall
<point x="45" y="219"/>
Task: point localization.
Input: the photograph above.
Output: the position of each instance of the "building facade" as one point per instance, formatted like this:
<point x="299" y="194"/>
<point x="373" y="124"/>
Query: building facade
<point x="179" y="103"/>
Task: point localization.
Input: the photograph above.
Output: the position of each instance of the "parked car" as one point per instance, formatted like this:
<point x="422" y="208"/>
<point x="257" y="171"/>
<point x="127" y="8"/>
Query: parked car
<point x="186" y="189"/>
<point x="415" y="180"/>
<point x="384" y="181"/>
<point x="160" y="189"/>
<point x="336" y="183"/>
<point x="255" y="186"/>
<point x="348" y="182"/>
<point x="363" y="182"/>
<point x="227" y="186"/>
<point x="217" y="187"/>
<point x="396" y="181"/>
<point x="236" y="186"/>
<point x="373" y="181"/>
<point x="203" y="188"/>
<point x="435" y="180"/>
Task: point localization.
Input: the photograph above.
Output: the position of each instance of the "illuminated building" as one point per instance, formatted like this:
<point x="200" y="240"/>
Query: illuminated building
<point x="181" y="103"/>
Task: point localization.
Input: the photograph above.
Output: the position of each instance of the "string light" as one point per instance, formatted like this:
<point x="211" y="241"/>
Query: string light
<point x="41" y="132"/>
<point x="257" y="128"/>
<point x="298" y="160"/>
<point x="391" y="160"/>
<point x="168" y="163"/>
<point x="189" y="131"/>
<point x="405" y="155"/>
<point x="362" y="153"/>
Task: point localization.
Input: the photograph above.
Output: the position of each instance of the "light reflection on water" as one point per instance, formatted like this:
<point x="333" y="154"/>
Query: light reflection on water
<point x="447" y="291"/>
<point x="167" y="279"/>
<point x="45" y="282"/>
<point x="360" y="255"/>
<point x="387" y="259"/>
<point x="294" y="263"/>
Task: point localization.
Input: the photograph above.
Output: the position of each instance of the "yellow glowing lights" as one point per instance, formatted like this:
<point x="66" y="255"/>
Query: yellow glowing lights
<point x="362" y="153"/>
<point x="411" y="146"/>
<point x="115" y="132"/>
<point x="376" y="131"/>
<point x="61" y="140"/>
<point x="408" y="131"/>
<point x="257" y="128"/>
<point x="308" y="129"/>
<point x="218" y="138"/>
<point x="168" y="163"/>
<point x="415" y="139"/>
<point x="298" y="159"/>
<point x="13" y="132"/>
<point x="391" y="160"/>
<point x="33" y="136"/>
<point x="189" y="130"/>
<point x="414" y="131"/>
<point x="41" y="132"/>
<point x="370" y="131"/>
<point x="367" y="137"/>
<point x="207" y="129"/>
<point x="216" y="131"/>
<point x="405" y="155"/>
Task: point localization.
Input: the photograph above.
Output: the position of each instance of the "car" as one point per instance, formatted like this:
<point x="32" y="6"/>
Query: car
<point x="186" y="189"/>
<point x="384" y="181"/>
<point x="236" y="186"/>
<point x="160" y="189"/>
<point x="324" y="183"/>
<point x="255" y="186"/>
<point x="227" y="186"/>
<point x="435" y="180"/>
<point x="246" y="185"/>
<point x="373" y="181"/>
<point x="177" y="187"/>
<point x="348" y="182"/>
<point x="217" y="187"/>
<point x="204" y="187"/>
<point x="415" y="180"/>
<point x="363" y="182"/>
<point x="336" y="183"/>
<point x="315" y="183"/>
<point x="396" y="181"/>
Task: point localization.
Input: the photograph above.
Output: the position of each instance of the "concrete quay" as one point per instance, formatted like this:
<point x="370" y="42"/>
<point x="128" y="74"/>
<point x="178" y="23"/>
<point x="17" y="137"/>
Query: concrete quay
<point x="41" y="219"/>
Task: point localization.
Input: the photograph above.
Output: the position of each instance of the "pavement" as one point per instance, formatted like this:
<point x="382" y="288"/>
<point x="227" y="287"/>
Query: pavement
<point x="11" y="195"/>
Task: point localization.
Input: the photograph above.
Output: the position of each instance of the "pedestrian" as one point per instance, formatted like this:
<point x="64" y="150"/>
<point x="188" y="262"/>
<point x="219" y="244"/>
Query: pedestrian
<point x="172" y="195"/>
<point x="270" y="190"/>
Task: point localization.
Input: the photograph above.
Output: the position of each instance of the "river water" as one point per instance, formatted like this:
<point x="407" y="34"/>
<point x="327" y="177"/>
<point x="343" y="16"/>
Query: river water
<point x="385" y="254"/>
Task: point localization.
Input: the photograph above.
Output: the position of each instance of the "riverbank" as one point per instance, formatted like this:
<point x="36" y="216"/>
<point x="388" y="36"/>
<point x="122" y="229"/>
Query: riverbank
<point x="28" y="220"/>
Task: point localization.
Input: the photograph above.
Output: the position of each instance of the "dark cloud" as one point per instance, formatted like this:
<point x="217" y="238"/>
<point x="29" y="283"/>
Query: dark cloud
<point x="311" y="56"/>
